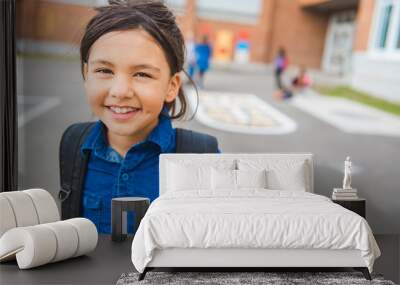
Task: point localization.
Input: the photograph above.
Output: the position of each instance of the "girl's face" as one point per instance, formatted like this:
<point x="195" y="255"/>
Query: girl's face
<point x="127" y="81"/>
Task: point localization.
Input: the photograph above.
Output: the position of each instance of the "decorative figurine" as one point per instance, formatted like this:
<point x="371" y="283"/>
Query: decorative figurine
<point x="347" y="174"/>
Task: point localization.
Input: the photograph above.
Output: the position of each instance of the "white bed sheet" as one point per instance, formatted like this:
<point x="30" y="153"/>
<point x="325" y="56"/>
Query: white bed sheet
<point x="252" y="218"/>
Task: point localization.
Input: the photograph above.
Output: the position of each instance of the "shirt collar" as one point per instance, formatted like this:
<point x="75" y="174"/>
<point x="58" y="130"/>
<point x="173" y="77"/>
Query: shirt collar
<point x="96" y="137"/>
<point x="162" y="135"/>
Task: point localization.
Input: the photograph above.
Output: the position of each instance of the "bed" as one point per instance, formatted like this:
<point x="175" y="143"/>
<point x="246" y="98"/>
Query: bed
<point x="247" y="210"/>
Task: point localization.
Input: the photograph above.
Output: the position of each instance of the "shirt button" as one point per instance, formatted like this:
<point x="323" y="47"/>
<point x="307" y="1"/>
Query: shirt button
<point x="125" y="176"/>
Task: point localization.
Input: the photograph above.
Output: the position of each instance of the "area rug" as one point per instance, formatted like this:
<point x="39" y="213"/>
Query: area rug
<point x="242" y="278"/>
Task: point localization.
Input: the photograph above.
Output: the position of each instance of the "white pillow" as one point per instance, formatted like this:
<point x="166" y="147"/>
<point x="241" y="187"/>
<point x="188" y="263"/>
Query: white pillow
<point x="223" y="179"/>
<point x="282" y="174"/>
<point x="227" y="179"/>
<point x="181" y="177"/>
<point x="293" y="179"/>
<point x="251" y="178"/>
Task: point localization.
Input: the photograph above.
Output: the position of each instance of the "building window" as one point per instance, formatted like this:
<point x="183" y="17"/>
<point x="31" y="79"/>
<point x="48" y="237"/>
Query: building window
<point x="398" y="34"/>
<point x="387" y="26"/>
<point x="384" y="21"/>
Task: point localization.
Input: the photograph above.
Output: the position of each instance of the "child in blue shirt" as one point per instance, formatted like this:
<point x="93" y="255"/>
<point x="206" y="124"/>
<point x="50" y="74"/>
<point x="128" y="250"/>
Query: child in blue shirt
<point x="132" y="54"/>
<point x="203" y="56"/>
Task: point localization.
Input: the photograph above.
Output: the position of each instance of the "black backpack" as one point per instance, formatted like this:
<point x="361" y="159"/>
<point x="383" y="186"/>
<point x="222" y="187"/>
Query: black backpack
<point x="73" y="163"/>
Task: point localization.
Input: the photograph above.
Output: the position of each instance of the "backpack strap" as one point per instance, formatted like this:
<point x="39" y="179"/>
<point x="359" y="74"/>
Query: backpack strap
<point x="188" y="141"/>
<point x="72" y="168"/>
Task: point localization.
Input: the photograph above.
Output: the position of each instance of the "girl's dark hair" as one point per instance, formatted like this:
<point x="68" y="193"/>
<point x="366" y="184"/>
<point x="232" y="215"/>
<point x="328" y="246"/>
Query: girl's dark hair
<point x="153" y="17"/>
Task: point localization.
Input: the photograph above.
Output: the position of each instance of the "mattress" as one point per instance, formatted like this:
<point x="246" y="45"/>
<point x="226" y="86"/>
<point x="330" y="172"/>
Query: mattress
<point x="250" y="219"/>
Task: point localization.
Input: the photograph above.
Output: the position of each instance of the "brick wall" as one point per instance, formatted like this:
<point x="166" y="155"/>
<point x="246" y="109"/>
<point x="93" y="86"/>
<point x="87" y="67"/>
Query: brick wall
<point x="364" y="22"/>
<point x="259" y="33"/>
<point x="312" y="2"/>
<point x="303" y="35"/>
<point x="52" y="21"/>
<point x="281" y="23"/>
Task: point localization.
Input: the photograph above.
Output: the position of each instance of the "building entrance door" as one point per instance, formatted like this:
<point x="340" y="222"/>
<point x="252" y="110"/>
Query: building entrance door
<point x="339" y="43"/>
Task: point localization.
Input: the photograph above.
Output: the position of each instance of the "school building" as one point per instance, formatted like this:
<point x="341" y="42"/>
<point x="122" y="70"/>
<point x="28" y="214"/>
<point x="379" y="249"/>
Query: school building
<point x="358" y="39"/>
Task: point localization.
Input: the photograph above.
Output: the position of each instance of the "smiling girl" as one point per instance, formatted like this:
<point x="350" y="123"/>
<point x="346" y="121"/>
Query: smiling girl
<point x="132" y="55"/>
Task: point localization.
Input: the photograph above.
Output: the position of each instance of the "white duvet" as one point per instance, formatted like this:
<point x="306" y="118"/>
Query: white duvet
<point x="250" y="219"/>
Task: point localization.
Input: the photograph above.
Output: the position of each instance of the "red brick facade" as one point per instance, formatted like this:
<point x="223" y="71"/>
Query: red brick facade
<point x="364" y="22"/>
<point x="41" y="20"/>
<point x="285" y="23"/>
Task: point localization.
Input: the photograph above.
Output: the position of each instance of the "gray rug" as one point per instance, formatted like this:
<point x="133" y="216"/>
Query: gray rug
<point x="270" y="278"/>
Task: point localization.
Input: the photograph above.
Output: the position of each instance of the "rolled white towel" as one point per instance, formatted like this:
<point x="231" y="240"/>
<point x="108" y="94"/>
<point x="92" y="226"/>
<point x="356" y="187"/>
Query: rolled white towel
<point x="87" y="235"/>
<point x="26" y="208"/>
<point x="33" y="246"/>
<point x="23" y="208"/>
<point x="46" y="207"/>
<point x="40" y="244"/>
<point x="67" y="240"/>
<point x="7" y="218"/>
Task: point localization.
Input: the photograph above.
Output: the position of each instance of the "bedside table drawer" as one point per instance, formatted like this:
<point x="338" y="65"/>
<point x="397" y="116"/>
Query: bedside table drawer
<point x="357" y="206"/>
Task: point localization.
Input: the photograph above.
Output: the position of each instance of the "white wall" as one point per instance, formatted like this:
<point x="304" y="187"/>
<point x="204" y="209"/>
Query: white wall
<point x="377" y="75"/>
<point x="377" y="70"/>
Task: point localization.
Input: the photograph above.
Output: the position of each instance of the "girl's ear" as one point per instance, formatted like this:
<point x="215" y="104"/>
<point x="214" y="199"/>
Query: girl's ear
<point x="173" y="88"/>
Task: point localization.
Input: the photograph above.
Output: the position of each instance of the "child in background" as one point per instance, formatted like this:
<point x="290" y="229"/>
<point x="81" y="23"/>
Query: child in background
<point x="298" y="84"/>
<point x="132" y="55"/>
<point x="203" y="55"/>
<point x="281" y="63"/>
<point x="191" y="55"/>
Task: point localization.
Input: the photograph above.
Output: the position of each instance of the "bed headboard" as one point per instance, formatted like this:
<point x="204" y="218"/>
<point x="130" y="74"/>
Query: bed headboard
<point x="233" y="158"/>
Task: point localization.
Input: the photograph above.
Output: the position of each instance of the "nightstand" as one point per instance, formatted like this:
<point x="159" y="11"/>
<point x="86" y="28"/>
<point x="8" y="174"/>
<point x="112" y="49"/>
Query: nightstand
<point x="356" y="205"/>
<point x="119" y="208"/>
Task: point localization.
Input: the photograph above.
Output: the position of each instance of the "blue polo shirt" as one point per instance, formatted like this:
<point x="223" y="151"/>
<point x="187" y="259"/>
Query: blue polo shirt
<point x="109" y="175"/>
